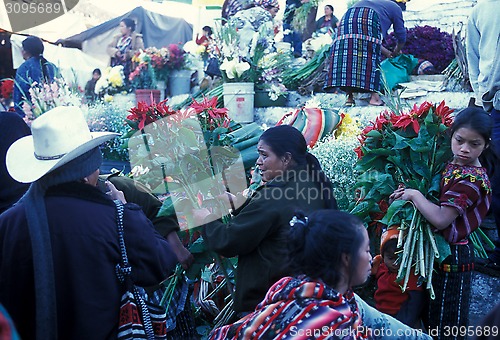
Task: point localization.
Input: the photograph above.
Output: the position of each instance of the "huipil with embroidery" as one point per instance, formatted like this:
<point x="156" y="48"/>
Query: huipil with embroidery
<point x="467" y="189"/>
<point x="299" y="307"/>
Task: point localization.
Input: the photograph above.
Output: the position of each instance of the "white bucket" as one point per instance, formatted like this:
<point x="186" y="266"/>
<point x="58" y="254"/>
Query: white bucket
<point x="162" y="86"/>
<point x="238" y="99"/>
<point x="179" y="82"/>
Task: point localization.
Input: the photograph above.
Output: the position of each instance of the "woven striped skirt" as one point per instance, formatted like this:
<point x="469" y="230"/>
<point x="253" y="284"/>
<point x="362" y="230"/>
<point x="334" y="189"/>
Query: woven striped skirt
<point x="452" y="286"/>
<point x="355" y="57"/>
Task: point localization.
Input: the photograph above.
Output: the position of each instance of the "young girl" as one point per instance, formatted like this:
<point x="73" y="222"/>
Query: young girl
<point x="464" y="201"/>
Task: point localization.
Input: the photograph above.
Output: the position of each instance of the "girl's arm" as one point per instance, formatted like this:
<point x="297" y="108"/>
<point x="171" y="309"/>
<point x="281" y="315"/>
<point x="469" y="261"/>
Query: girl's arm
<point x="439" y="216"/>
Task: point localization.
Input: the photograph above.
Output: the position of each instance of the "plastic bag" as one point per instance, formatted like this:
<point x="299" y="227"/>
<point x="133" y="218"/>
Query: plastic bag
<point x="398" y="69"/>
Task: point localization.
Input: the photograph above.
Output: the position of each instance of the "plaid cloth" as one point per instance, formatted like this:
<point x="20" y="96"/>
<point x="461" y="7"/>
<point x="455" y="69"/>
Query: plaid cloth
<point x="355" y="57"/>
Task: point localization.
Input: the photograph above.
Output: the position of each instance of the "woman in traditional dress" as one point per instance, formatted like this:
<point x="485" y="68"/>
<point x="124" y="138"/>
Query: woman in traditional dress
<point x="356" y="51"/>
<point x="125" y="45"/>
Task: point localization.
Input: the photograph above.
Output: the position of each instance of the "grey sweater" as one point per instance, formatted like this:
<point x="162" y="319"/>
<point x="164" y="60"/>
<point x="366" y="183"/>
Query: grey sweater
<point x="483" y="53"/>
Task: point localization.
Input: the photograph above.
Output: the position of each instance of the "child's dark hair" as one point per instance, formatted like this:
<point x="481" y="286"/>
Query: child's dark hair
<point x="285" y="138"/>
<point x="129" y="23"/>
<point x="391" y="246"/>
<point x="317" y="242"/>
<point x="98" y="71"/>
<point x="480" y="121"/>
<point x="329" y="6"/>
<point x="208" y="29"/>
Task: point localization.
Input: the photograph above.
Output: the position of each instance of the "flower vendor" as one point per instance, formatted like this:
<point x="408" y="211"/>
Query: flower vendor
<point x="327" y="23"/>
<point x="35" y="69"/>
<point x="125" y="45"/>
<point x="465" y="196"/>
<point x="360" y="36"/>
<point x="257" y="232"/>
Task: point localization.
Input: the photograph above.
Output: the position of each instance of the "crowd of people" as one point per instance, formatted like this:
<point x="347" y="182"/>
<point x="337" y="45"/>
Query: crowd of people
<point x="300" y="259"/>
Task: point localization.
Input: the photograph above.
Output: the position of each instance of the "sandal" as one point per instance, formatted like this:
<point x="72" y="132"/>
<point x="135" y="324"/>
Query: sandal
<point x="349" y="103"/>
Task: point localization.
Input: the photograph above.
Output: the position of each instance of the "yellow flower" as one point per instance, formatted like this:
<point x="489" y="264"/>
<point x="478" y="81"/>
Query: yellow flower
<point x="108" y="98"/>
<point x="116" y="80"/>
<point x="348" y="129"/>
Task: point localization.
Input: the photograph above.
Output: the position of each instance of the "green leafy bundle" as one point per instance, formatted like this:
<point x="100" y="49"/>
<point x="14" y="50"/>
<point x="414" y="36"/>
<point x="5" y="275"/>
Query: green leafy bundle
<point x="409" y="149"/>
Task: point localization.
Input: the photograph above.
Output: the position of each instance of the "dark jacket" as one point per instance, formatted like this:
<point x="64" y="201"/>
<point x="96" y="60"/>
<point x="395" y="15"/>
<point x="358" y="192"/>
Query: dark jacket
<point x="13" y="127"/>
<point x="333" y="22"/>
<point x="138" y="193"/>
<point x="35" y="69"/>
<point x="82" y="222"/>
<point x="258" y="235"/>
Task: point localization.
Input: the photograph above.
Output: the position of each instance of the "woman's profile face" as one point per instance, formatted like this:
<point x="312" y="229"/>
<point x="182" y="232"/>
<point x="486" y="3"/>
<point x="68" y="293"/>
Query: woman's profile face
<point x="270" y="165"/>
<point x="364" y="264"/>
<point x="124" y="30"/>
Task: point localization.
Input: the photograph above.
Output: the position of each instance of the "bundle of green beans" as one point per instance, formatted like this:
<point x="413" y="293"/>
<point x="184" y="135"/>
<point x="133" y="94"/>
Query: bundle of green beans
<point x="294" y="77"/>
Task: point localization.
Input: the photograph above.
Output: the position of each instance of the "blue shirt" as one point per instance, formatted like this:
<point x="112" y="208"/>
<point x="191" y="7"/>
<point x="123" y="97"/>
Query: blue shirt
<point x="30" y="71"/>
<point x="389" y="13"/>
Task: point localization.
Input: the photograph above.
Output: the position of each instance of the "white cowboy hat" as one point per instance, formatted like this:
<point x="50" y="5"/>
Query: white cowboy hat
<point x="58" y="136"/>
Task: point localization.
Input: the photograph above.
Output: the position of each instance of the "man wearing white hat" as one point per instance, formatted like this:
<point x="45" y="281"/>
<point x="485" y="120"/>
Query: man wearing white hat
<point x="59" y="244"/>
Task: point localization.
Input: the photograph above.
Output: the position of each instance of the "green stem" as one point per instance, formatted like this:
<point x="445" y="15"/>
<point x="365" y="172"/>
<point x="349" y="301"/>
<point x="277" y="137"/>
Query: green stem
<point x="224" y="271"/>
<point x="432" y="241"/>
<point x="485" y="238"/>
<point x="421" y="257"/>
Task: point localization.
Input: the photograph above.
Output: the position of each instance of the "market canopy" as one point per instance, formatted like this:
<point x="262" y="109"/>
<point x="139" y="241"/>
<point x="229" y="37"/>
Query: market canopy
<point x="157" y="30"/>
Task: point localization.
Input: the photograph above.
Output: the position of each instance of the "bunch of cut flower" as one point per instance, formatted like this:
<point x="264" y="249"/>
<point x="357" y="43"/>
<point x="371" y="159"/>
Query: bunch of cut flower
<point x="156" y="58"/>
<point x="109" y="117"/>
<point x="187" y="157"/>
<point x="6" y="88"/>
<point x="409" y="149"/>
<point x="340" y="169"/>
<point x="48" y="95"/>
<point x="271" y="67"/>
<point x="233" y="60"/>
<point x="112" y="81"/>
<point x="251" y="59"/>
<point x="143" y="76"/>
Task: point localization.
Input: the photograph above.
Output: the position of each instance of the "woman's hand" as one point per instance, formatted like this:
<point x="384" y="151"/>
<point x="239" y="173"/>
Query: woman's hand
<point x="386" y="52"/>
<point x="114" y="193"/>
